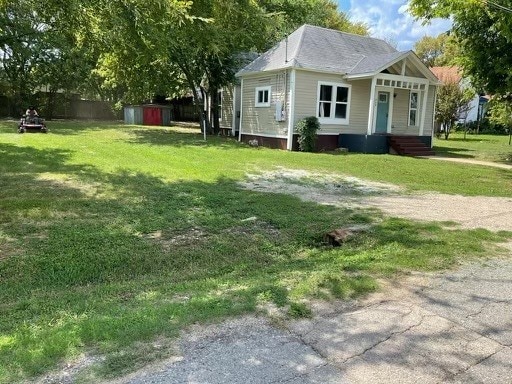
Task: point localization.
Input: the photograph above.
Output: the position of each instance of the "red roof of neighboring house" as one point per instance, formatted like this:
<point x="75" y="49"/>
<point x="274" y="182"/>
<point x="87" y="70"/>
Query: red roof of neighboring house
<point x="447" y="74"/>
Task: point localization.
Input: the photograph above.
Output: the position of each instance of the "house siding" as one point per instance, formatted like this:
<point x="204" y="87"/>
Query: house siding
<point x="262" y="120"/>
<point x="400" y="124"/>
<point x="306" y="94"/>
<point x="429" y="118"/>
<point x="360" y="107"/>
<point x="226" y="111"/>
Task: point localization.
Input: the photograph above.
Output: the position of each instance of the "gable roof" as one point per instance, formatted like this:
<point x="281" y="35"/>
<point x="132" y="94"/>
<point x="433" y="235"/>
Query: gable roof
<point x="328" y="50"/>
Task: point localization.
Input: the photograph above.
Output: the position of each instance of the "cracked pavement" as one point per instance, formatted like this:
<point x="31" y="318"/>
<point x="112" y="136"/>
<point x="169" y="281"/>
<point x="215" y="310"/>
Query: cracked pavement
<point x="454" y="327"/>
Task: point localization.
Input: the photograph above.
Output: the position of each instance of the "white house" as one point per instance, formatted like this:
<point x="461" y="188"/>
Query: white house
<point x="362" y="90"/>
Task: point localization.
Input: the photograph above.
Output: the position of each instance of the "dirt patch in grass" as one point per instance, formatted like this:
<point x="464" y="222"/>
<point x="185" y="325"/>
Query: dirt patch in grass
<point x="317" y="187"/>
<point x="469" y="212"/>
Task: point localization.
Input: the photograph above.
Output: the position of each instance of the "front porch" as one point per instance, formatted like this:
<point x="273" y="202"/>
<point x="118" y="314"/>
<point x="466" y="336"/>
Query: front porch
<point x="398" y="105"/>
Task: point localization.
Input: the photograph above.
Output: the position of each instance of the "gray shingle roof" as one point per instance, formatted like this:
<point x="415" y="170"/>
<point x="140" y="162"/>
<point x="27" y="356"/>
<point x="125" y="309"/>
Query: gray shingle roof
<point x="317" y="48"/>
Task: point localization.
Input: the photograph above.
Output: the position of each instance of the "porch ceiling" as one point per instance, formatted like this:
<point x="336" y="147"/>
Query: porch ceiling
<point x="410" y="69"/>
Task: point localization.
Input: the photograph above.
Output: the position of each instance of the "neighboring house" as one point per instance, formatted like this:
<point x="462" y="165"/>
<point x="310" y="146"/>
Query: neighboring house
<point x="229" y="114"/>
<point x="361" y="89"/>
<point x="453" y="74"/>
<point x="231" y="97"/>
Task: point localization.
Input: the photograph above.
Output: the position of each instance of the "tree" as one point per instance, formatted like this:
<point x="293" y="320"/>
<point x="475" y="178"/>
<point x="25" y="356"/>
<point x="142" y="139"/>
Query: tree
<point x="501" y="112"/>
<point x="438" y="51"/>
<point x="133" y="50"/>
<point x="40" y="49"/>
<point x="21" y="43"/>
<point x="484" y="33"/>
<point x="163" y="46"/>
<point x="288" y="15"/>
<point x="452" y="102"/>
<point x="131" y="39"/>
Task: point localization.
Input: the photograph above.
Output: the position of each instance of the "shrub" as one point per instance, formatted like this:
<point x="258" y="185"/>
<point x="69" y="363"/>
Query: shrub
<point x="307" y="128"/>
<point x="485" y="127"/>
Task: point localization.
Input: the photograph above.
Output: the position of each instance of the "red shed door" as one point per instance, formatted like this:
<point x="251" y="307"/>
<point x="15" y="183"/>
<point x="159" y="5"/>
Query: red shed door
<point x="152" y="116"/>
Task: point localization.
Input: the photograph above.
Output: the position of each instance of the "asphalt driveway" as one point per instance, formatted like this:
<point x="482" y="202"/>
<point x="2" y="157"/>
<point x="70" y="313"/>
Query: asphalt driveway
<point x="448" y="328"/>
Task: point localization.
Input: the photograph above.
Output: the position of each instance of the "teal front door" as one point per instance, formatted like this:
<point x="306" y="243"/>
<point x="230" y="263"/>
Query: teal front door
<point x="381" y="125"/>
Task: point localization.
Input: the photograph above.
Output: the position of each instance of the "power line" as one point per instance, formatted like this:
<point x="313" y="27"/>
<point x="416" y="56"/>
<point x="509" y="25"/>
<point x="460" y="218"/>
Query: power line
<point x="498" y="6"/>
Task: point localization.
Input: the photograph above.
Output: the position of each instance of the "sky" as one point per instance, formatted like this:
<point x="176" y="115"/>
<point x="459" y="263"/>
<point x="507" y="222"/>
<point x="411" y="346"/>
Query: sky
<point x="389" y="20"/>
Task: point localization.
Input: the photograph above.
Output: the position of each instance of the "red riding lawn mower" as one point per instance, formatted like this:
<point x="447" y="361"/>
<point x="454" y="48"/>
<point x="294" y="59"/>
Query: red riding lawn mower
<point x="31" y="121"/>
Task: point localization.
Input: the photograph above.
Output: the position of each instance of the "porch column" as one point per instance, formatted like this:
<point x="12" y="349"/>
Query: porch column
<point x="372" y="106"/>
<point x="424" y="109"/>
<point x="291" y="114"/>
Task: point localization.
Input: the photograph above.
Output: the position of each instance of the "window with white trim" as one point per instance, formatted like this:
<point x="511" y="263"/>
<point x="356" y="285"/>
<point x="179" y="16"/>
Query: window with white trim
<point x="263" y="96"/>
<point x="413" y="108"/>
<point x="333" y="103"/>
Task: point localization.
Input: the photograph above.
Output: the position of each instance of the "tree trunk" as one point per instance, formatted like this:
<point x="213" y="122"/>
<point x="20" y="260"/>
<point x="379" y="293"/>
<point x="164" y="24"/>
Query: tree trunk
<point x="51" y="104"/>
<point x="215" y="110"/>
<point x="199" y="110"/>
<point x="447" y="129"/>
<point x="206" y="108"/>
<point x="197" y="100"/>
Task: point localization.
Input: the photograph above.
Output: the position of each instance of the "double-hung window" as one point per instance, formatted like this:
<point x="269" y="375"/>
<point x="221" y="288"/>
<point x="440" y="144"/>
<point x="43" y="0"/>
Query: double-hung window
<point x="262" y="96"/>
<point x="333" y="103"/>
<point x="413" y="109"/>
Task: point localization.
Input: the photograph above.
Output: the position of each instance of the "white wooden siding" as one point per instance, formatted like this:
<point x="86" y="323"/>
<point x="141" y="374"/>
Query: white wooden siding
<point x="262" y="120"/>
<point x="226" y="117"/>
<point x="427" y="130"/>
<point x="359" y="107"/>
<point x="306" y="98"/>
<point x="400" y="123"/>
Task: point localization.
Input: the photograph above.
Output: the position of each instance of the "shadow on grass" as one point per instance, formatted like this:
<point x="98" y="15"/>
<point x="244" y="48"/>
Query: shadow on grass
<point x="104" y="262"/>
<point x="469" y="138"/>
<point x="163" y="136"/>
<point x="506" y="158"/>
<point x="442" y="151"/>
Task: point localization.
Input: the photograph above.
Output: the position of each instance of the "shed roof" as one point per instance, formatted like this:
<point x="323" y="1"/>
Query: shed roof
<point x="317" y="48"/>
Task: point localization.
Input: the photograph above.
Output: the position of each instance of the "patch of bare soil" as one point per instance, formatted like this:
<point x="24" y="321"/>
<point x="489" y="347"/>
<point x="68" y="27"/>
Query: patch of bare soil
<point x="493" y="213"/>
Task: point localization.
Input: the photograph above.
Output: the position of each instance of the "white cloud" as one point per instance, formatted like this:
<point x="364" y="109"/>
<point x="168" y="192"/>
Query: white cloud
<point x="389" y="20"/>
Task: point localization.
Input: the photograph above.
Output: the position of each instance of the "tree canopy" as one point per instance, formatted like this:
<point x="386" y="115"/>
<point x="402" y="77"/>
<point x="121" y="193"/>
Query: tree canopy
<point x="439" y="51"/>
<point x="484" y="32"/>
<point x="451" y="104"/>
<point x="132" y="50"/>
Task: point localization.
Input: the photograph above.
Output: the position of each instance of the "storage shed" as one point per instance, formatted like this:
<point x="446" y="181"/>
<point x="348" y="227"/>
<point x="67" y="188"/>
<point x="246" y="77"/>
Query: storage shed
<point x="147" y="114"/>
<point x="133" y="114"/>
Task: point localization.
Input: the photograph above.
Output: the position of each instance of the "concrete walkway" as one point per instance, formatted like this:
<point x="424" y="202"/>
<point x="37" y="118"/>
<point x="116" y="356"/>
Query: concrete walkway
<point x="470" y="161"/>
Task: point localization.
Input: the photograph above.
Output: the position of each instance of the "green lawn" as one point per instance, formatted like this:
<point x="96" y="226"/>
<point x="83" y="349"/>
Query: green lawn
<point x="114" y="238"/>
<point x="480" y="147"/>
